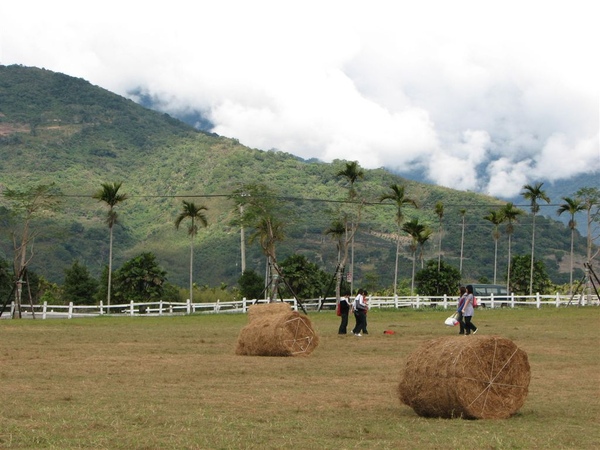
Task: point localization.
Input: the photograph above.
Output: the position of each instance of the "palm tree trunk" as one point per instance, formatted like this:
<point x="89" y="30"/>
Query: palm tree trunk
<point x="396" y="266"/>
<point x="532" y="248"/>
<point x="508" y="271"/>
<point x="571" y="266"/>
<point x="462" y="246"/>
<point x="495" y="258"/>
<point x="110" y="246"/>
<point x="412" y="283"/>
<point x="191" y="268"/>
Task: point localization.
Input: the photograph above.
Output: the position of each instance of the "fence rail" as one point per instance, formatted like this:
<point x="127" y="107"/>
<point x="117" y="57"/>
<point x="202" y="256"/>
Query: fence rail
<point x="162" y="308"/>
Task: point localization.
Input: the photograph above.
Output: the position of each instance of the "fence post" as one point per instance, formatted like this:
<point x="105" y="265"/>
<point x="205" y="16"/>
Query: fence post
<point x="44" y="309"/>
<point x="160" y="308"/>
<point x="70" y="315"/>
<point x="557" y="300"/>
<point x="512" y="300"/>
<point x="101" y="307"/>
<point x="417" y="302"/>
<point x="445" y="301"/>
<point x="189" y="306"/>
<point x="538" y="300"/>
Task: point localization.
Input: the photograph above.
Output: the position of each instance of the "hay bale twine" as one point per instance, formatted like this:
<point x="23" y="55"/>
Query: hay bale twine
<point x="474" y="377"/>
<point x="283" y="334"/>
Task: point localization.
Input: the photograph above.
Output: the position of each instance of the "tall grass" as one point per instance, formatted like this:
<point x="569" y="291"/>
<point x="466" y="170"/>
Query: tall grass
<point x="176" y="383"/>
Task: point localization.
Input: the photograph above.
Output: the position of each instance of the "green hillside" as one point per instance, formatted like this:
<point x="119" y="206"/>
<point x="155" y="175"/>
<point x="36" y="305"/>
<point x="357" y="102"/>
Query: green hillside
<point x="59" y="129"/>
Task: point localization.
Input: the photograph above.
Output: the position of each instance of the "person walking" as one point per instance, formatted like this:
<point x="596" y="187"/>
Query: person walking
<point x="461" y="304"/>
<point x="468" y="311"/>
<point x="365" y="296"/>
<point x="360" y="313"/>
<point x="344" y="311"/>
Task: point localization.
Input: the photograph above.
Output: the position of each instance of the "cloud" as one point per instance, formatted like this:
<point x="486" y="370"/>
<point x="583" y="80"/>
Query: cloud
<point x="449" y="88"/>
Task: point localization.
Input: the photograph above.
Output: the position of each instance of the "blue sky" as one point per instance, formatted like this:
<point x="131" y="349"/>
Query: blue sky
<point x="507" y="90"/>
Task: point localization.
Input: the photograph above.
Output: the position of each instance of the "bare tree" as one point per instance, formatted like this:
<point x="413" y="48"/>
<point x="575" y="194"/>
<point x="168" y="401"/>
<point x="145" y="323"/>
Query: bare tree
<point x="27" y="204"/>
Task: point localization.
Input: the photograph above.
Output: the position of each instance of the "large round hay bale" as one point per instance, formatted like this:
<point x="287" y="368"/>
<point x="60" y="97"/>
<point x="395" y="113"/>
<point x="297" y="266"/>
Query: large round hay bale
<point x="473" y="377"/>
<point x="264" y="309"/>
<point x="284" y="334"/>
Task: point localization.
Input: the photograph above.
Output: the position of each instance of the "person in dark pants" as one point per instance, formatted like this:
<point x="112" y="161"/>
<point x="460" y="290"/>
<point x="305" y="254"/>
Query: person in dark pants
<point x="468" y="310"/>
<point x="461" y="303"/>
<point x="344" y="311"/>
<point x="360" y="314"/>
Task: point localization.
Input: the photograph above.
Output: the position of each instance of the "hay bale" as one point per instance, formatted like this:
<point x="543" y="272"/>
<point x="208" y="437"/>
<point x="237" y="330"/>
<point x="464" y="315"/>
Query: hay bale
<point x="265" y="309"/>
<point x="283" y="334"/>
<point x="474" y="377"/>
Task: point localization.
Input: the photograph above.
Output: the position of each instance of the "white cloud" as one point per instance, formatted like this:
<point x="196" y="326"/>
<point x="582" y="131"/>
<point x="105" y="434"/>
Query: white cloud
<point x="507" y="89"/>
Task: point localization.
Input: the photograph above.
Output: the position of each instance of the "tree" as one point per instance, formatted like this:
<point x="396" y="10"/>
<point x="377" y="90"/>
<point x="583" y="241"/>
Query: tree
<point x="534" y="193"/>
<point x="140" y="279"/>
<point x="305" y="278"/>
<point x="437" y="281"/>
<point x="196" y="215"/>
<point x="439" y="211"/>
<point x="338" y="231"/>
<point x="109" y="194"/>
<point x="251" y="284"/>
<point x="520" y="276"/>
<point x="414" y="230"/>
<point x="261" y="211"/>
<point x="510" y="215"/>
<point x="422" y="238"/>
<point x="397" y="195"/>
<point x="572" y="206"/>
<point x="79" y="286"/>
<point x="496" y="218"/>
<point x="27" y="204"/>
<point x="463" y="212"/>
<point x="591" y="199"/>
<point x="352" y="173"/>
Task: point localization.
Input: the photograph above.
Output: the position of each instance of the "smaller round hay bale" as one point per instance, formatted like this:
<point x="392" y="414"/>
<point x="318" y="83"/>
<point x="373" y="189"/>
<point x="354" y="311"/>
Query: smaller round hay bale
<point x="475" y="377"/>
<point x="289" y="334"/>
<point x="267" y="309"/>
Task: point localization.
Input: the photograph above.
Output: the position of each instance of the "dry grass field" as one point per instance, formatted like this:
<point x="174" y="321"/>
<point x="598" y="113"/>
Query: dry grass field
<point x="176" y="383"/>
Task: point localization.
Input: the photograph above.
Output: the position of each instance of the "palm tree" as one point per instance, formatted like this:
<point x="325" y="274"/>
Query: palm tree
<point x="463" y="212"/>
<point x="338" y="231"/>
<point x="496" y="218"/>
<point x="352" y="172"/>
<point x="572" y="206"/>
<point x="195" y="213"/>
<point x="397" y="195"/>
<point x="533" y="194"/>
<point x="414" y="229"/>
<point x="422" y="238"/>
<point x="510" y="215"/>
<point x="110" y="195"/>
<point x="439" y="211"/>
<point x="268" y="231"/>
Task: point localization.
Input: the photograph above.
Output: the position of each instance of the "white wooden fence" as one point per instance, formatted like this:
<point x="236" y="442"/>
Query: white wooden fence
<point x="162" y="308"/>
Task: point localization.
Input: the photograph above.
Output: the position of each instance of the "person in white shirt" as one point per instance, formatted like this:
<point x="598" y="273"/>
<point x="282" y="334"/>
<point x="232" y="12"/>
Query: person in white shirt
<point x="360" y="313"/>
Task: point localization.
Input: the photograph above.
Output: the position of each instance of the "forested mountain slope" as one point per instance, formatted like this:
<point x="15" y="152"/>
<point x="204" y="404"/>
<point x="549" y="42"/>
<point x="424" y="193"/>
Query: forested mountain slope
<point x="59" y="129"/>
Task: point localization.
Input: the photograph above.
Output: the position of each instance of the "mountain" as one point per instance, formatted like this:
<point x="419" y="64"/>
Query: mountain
<point x="63" y="130"/>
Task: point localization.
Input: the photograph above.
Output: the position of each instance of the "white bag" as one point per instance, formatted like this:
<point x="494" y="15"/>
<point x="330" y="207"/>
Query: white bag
<point x="452" y="320"/>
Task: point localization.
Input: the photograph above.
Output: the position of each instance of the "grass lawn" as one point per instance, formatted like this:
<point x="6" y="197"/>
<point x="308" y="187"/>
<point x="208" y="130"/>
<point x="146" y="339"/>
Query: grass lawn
<point x="176" y="383"/>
